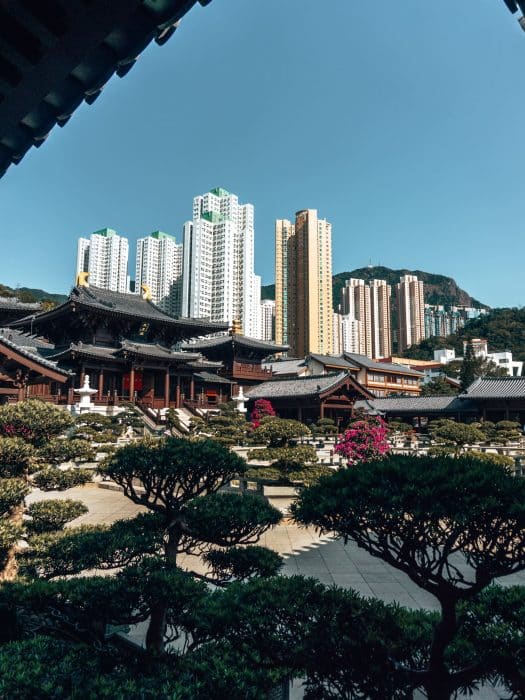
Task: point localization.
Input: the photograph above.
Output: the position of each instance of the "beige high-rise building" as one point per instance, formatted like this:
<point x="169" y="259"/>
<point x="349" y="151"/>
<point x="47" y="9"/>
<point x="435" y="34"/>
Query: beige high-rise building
<point x="303" y="284"/>
<point x="411" y="312"/>
<point x="381" y="317"/>
<point x="369" y="305"/>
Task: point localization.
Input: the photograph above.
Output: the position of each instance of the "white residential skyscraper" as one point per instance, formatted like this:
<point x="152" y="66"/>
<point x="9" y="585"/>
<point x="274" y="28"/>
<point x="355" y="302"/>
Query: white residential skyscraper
<point x="267" y="310"/>
<point x="105" y="256"/>
<point x="159" y="266"/>
<point x="218" y="262"/>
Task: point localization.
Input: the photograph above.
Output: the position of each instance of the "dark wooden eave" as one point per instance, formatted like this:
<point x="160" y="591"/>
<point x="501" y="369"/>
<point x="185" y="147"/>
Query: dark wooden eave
<point x="56" y="54"/>
<point x="12" y="355"/>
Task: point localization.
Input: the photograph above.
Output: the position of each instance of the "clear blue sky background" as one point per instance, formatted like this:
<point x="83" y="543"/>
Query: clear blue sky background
<point x="401" y="122"/>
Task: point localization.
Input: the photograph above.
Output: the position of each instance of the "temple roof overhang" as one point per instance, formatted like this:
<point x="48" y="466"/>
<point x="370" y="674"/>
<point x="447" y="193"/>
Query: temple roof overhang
<point x="237" y="343"/>
<point x="14" y="357"/>
<point x="131" y="307"/>
<point x="56" y="55"/>
<point x="311" y="387"/>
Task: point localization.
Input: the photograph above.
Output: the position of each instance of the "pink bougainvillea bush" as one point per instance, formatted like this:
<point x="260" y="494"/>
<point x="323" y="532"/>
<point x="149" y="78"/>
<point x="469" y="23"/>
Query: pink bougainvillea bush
<point x="364" y="440"/>
<point x="261" y="409"/>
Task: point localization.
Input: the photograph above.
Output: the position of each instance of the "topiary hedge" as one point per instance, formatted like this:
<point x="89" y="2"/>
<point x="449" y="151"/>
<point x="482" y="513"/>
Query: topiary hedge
<point x="51" y="515"/>
<point x="55" y="479"/>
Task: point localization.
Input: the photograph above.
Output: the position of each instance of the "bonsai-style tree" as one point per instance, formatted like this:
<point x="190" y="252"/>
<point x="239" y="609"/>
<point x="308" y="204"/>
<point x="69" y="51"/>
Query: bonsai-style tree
<point x="21" y="454"/>
<point x="325" y="427"/>
<point x="261" y="409"/>
<point x="452" y="525"/>
<point x="438" y="387"/>
<point x="33" y="420"/>
<point x="277" y="432"/>
<point x="364" y="440"/>
<point x="179" y="481"/>
<point x="455" y="435"/>
<point x="228" y="427"/>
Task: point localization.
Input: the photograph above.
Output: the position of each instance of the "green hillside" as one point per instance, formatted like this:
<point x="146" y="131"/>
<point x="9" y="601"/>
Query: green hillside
<point x="439" y="289"/>
<point x="28" y="294"/>
<point x="504" y="329"/>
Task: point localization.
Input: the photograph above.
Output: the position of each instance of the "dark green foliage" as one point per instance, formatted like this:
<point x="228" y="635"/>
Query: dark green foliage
<point x="173" y="472"/>
<point x="12" y="493"/>
<point x="57" y="451"/>
<point x="300" y="454"/>
<point x="55" y="479"/>
<point x="34" y="420"/>
<point x="10" y="533"/>
<point x="226" y="519"/>
<point x="92" y="546"/>
<point x="504" y="329"/>
<point x="53" y="514"/>
<point x="398" y="428"/>
<point x="241" y="563"/>
<point x="277" y="432"/>
<point x="502" y="432"/>
<point x="287" y="472"/>
<point x="345" y="645"/>
<point x="492" y="458"/>
<point x="445" y="505"/>
<point x="438" y="387"/>
<point x="16" y="456"/>
<point x="228" y="427"/>
<point x="424" y="516"/>
<point x="468" y="372"/>
<point x="455" y="435"/>
<point x="324" y="426"/>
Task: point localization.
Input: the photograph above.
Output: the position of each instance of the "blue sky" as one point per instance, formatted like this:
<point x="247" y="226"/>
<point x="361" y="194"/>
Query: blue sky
<point x="401" y="122"/>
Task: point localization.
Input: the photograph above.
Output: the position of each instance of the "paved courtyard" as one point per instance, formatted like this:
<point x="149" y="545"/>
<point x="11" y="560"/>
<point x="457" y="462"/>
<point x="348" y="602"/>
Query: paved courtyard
<point x="326" y="558"/>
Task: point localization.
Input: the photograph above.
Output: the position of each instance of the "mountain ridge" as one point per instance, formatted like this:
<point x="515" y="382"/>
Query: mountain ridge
<point x="439" y="289"/>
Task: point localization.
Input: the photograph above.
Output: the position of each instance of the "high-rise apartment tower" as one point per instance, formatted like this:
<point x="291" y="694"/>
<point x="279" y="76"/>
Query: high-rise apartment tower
<point x="159" y="267"/>
<point x="369" y="306"/>
<point x="303" y="290"/>
<point x="218" y="262"/>
<point x="411" y="312"/>
<point x="105" y="256"/>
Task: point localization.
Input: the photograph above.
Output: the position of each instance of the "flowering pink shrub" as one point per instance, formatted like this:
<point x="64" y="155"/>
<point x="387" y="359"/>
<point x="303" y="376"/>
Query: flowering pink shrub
<point x="15" y="430"/>
<point x="363" y="441"/>
<point x="261" y="409"/>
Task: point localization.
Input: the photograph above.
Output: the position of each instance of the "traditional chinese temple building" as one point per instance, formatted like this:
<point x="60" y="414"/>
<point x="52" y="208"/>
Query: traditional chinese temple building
<point x="129" y="348"/>
<point x="309" y="398"/>
<point x="242" y="357"/>
<point x="11" y="309"/>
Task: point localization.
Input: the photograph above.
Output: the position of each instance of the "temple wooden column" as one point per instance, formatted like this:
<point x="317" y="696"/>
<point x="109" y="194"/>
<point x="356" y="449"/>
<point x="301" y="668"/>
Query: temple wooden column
<point x="167" y="388"/>
<point x="132" y="384"/>
<point x="177" y="392"/>
<point x="100" y="384"/>
<point x="321" y="415"/>
<point x="192" y="389"/>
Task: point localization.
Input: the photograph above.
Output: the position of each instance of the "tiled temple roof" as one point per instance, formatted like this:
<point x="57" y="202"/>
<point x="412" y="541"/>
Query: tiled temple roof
<point x="416" y="405"/>
<point x="364" y="361"/>
<point x="32" y="353"/>
<point x="240" y="340"/>
<point x="496" y="388"/>
<point x="299" y="387"/>
<point x="121" y="304"/>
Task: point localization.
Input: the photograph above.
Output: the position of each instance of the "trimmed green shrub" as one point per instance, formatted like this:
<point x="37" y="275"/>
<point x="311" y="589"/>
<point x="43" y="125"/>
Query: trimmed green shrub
<point x="57" y="451"/>
<point x="16" y="456"/>
<point x="51" y="515"/>
<point x="300" y="454"/>
<point x="55" y="479"/>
